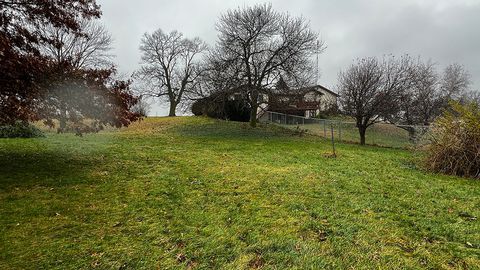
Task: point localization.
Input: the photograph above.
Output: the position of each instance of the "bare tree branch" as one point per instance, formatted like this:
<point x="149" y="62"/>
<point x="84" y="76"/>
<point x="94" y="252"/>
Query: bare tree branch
<point x="89" y="49"/>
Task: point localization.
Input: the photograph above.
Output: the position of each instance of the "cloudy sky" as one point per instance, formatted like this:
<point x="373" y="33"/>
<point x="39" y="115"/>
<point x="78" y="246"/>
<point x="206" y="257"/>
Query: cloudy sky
<point x="445" y="31"/>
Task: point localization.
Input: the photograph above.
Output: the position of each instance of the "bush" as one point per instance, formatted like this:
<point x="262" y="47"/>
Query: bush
<point x="331" y="110"/>
<point x="220" y="107"/>
<point x="454" y="144"/>
<point x="20" y="130"/>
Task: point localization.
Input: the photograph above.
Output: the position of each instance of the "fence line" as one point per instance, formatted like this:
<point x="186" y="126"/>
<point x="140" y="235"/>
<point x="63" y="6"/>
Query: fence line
<point x="382" y="134"/>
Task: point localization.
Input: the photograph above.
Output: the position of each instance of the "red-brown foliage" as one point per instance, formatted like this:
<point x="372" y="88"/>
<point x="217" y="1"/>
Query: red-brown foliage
<point x="32" y="87"/>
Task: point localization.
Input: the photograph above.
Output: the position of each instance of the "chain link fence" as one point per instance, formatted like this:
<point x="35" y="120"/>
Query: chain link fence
<point x="381" y="134"/>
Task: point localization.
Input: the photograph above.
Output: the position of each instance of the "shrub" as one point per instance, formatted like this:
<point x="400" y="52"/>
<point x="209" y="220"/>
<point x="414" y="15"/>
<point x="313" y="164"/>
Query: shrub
<point x="20" y="130"/>
<point x="454" y="143"/>
<point x="221" y="107"/>
<point x="330" y="110"/>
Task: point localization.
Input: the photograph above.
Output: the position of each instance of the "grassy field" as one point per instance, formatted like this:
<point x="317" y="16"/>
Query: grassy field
<point x="385" y="135"/>
<point x="194" y="193"/>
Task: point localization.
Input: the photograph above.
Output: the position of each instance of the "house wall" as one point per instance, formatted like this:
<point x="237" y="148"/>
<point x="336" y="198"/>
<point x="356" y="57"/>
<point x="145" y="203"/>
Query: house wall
<point x="328" y="99"/>
<point x="261" y="110"/>
<point x="313" y="96"/>
<point x="325" y="99"/>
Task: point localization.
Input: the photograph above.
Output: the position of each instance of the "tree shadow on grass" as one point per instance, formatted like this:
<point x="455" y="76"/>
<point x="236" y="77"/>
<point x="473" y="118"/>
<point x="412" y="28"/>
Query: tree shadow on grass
<point x="46" y="168"/>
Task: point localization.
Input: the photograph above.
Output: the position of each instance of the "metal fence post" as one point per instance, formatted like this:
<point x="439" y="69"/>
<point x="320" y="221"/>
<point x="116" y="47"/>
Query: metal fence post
<point x="333" y="141"/>
<point x="324" y="128"/>
<point x="339" y="131"/>
<point x="373" y="133"/>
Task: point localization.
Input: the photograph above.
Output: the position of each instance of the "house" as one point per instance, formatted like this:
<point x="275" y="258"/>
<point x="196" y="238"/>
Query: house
<point x="307" y="102"/>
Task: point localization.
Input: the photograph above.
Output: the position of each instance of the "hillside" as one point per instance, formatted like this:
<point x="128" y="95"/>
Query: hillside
<point x="197" y="193"/>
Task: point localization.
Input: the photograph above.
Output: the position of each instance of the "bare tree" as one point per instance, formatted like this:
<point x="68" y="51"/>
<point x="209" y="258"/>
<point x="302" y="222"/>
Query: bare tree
<point x="142" y="107"/>
<point x="256" y="46"/>
<point x="420" y="103"/>
<point x="473" y="96"/>
<point x="405" y="92"/>
<point x="430" y="93"/>
<point x="370" y="89"/>
<point x="170" y="66"/>
<point x="88" y="48"/>
<point x="455" y="82"/>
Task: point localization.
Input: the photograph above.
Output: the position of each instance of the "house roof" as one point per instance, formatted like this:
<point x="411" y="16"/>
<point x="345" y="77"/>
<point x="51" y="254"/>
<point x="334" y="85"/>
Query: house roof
<point x="305" y="90"/>
<point x="317" y="87"/>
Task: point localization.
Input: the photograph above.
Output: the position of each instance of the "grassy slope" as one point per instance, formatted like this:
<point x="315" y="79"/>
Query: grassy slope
<point x="385" y="135"/>
<point x="196" y="193"/>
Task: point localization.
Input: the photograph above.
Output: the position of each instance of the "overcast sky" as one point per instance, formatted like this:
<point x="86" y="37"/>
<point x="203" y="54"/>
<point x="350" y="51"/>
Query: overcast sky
<point x="445" y="31"/>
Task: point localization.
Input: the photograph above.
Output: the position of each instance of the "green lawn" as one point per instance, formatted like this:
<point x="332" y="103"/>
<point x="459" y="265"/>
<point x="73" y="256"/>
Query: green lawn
<point x="385" y="135"/>
<point x="194" y="193"/>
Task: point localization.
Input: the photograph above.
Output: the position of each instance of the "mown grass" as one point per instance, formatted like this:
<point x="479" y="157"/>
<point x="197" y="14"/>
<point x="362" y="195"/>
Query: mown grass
<point x="177" y="193"/>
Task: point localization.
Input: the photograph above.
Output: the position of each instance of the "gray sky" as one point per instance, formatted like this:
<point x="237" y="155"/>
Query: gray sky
<point x="445" y="31"/>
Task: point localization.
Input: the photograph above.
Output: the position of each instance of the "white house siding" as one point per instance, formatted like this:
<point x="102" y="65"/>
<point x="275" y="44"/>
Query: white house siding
<point x="328" y="99"/>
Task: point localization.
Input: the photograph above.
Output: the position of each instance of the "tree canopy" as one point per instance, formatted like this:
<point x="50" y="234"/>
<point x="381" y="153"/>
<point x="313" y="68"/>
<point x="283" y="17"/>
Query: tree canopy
<point x="30" y="78"/>
<point x="170" y="66"/>
<point x="256" y="46"/>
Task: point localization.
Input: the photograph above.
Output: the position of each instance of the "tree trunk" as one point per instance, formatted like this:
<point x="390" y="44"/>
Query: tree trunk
<point x="63" y="125"/>
<point x="253" y="116"/>
<point x="411" y="134"/>
<point x="362" y="130"/>
<point x="254" y="108"/>
<point x="63" y="121"/>
<point x="173" y="108"/>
